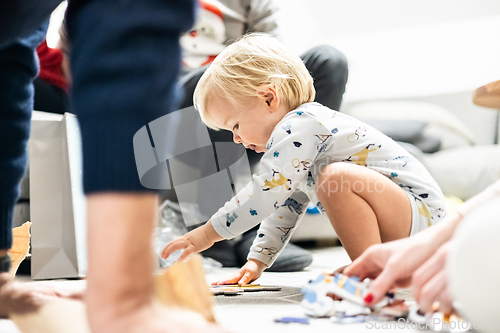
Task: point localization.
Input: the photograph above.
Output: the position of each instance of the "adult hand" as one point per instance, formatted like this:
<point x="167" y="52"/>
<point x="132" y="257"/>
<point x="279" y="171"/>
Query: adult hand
<point x="429" y="282"/>
<point x="391" y="264"/>
<point x="250" y="272"/>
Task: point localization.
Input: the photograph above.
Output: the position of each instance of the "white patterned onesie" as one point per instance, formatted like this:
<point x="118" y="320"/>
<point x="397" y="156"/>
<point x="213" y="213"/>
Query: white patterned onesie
<point x="301" y="145"/>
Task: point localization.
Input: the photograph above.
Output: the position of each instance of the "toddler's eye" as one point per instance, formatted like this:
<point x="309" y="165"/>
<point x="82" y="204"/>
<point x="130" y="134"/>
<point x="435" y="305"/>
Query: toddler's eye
<point x="236" y="126"/>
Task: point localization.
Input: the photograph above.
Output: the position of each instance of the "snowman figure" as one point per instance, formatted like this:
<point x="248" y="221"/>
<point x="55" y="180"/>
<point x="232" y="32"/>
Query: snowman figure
<point x="206" y="39"/>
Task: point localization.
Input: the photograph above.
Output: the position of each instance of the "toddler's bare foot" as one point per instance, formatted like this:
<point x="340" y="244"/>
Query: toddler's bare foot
<point x="19" y="297"/>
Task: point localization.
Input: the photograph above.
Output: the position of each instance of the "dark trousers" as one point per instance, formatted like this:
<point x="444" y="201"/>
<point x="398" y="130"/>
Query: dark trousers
<point x="23" y="25"/>
<point x="125" y="61"/>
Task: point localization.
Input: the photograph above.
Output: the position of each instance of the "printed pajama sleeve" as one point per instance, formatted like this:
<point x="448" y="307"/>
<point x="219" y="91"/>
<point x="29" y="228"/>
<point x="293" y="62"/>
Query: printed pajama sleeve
<point x="276" y="230"/>
<point x="292" y="149"/>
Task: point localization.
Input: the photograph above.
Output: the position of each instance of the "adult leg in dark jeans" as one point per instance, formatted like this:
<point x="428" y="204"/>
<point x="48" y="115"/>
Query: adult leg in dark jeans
<point x="23" y="25"/>
<point x="125" y="60"/>
<point x="328" y="67"/>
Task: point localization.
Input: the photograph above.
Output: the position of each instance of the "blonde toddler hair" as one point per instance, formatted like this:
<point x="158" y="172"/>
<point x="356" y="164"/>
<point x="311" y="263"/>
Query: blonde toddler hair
<point x="254" y="60"/>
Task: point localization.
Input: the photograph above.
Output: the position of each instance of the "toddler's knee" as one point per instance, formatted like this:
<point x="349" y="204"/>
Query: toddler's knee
<point x="333" y="180"/>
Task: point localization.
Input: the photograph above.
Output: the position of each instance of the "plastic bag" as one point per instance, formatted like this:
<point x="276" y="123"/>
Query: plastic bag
<point x="171" y="226"/>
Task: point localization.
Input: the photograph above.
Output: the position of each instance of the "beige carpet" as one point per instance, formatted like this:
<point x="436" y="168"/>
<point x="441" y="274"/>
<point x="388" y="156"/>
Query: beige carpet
<point x="255" y="312"/>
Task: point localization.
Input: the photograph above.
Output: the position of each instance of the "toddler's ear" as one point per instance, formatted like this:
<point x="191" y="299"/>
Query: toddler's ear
<point x="268" y="95"/>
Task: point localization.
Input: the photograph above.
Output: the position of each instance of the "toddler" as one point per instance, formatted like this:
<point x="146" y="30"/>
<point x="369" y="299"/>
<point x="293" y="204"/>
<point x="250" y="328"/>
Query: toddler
<point x="371" y="189"/>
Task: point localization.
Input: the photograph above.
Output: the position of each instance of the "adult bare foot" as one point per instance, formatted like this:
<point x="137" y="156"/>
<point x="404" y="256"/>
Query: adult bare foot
<point x="20" y="297"/>
<point x="152" y="318"/>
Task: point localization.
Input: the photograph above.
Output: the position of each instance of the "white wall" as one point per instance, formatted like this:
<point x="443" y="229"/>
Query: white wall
<point x="340" y="18"/>
<point x="434" y="50"/>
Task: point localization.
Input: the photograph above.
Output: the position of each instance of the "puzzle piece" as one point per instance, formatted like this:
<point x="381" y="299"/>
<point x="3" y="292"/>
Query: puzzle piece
<point x="348" y="319"/>
<point x="317" y="303"/>
<point x="225" y="291"/>
<point x="183" y="285"/>
<point x="20" y="245"/>
<point x="233" y="289"/>
<point x="438" y="321"/>
<point x="415" y="315"/>
<point x="254" y="287"/>
<point x="395" y="309"/>
<point x="287" y="320"/>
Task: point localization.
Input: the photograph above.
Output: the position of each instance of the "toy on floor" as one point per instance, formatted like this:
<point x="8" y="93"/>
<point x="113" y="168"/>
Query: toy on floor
<point x="288" y="320"/>
<point x="438" y="321"/>
<point x="341" y="319"/>
<point x="234" y="289"/>
<point x="183" y="285"/>
<point x="20" y="245"/>
<point x="393" y="310"/>
<point x="416" y="316"/>
<point x="317" y="303"/>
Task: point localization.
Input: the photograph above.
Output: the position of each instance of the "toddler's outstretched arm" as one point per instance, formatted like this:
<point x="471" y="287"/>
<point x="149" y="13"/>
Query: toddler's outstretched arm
<point x="194" y="241"/>
<point x="203" y="238"/>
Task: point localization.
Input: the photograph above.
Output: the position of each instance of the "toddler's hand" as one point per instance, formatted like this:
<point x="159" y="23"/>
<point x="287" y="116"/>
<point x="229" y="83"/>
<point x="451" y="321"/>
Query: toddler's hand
<point x="250" y="272"/>
<point x="194" y="241"/>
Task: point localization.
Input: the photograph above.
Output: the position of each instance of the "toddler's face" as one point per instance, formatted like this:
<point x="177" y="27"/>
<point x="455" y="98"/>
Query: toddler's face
<point x="251" y="122"/>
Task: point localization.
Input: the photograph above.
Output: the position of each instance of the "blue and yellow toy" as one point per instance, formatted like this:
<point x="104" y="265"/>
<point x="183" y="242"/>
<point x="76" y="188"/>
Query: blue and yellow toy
<point x="317" y="303"/>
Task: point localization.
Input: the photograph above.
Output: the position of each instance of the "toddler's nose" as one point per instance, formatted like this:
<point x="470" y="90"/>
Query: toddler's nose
<point x="236" y="138"/>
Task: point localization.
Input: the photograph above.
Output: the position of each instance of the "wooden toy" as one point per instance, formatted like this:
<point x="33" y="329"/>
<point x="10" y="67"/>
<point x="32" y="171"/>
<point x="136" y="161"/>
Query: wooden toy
<point x="183" y="285"/>
<point x="234" y="289"/>
<point x="20" y="245"/>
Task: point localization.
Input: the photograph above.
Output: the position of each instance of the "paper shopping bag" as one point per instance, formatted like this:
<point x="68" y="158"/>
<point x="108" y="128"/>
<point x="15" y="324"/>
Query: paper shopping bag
<point x="57" y="202"/>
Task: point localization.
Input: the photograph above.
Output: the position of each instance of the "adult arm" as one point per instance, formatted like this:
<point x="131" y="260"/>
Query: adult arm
<point x="393" y="264"/>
